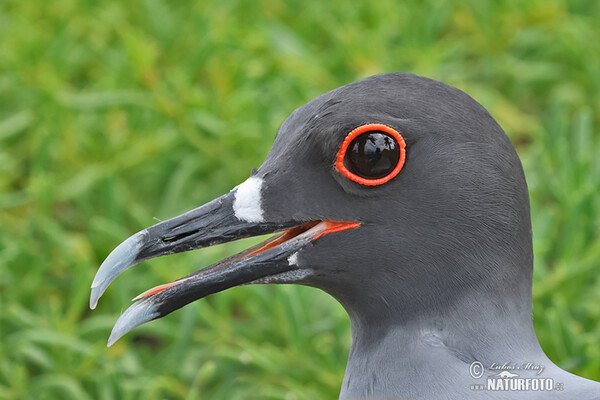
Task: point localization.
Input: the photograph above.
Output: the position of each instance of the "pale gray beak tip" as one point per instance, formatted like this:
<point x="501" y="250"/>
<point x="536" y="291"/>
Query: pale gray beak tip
<point x="121" y="258"/>
<point x="139" y="313"/>
<point x="94" y="296"/>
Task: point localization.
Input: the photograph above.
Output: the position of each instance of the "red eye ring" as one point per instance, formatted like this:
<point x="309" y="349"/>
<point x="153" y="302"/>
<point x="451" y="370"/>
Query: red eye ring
<point x="339" y="164"/>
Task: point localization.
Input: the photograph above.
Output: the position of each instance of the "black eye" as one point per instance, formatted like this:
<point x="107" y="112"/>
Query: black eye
<point x="371" y="154"/>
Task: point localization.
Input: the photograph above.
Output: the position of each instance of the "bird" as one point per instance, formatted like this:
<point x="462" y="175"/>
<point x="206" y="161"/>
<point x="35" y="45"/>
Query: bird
<point x="402" y="198"/>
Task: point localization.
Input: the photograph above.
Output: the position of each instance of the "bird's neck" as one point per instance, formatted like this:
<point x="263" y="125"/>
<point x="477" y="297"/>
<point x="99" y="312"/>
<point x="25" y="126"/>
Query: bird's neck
<point x="391" y="357"/>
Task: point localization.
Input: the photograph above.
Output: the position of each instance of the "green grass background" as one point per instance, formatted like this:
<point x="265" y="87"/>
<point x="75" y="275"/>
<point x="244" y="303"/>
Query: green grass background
<point x="115" y="112"/>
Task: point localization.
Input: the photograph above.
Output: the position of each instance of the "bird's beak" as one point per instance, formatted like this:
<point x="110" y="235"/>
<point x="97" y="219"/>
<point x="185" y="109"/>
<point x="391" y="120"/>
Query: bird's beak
<point x="213" y="223"/>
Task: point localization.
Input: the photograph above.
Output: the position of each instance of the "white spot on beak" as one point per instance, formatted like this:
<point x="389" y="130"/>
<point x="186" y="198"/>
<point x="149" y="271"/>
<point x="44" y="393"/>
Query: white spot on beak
<point x="293" y="259"/>
<point x="247" y="203"/>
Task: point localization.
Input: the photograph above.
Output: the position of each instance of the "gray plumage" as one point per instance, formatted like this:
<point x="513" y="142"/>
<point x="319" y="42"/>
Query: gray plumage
<point x="439" y="273"/>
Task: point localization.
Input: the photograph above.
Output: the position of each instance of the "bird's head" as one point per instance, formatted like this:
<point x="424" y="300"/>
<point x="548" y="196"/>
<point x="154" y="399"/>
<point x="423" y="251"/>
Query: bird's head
<point x="396" y="194"/>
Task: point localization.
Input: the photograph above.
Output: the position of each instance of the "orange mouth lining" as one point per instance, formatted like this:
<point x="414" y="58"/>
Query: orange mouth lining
<point x="330" y="227"/>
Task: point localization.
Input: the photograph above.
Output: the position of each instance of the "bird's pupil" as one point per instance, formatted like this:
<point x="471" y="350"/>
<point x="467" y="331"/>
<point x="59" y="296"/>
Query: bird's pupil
<point x="372" y="155"/>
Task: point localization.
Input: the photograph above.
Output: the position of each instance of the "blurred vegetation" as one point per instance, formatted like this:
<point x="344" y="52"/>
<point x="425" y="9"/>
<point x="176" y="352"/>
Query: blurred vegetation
<point x="112" y="113"/>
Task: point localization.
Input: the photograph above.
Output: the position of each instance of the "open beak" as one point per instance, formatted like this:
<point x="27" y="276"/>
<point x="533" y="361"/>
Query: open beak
<point x="208" y="225"/>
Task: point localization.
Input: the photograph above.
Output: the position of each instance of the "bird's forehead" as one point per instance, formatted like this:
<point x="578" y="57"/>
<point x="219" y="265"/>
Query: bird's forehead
<point x="313" y="126"/>
<point x="322" y="124"/>
<point x="386" y="99"/>
<point x="417" y="107"/>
